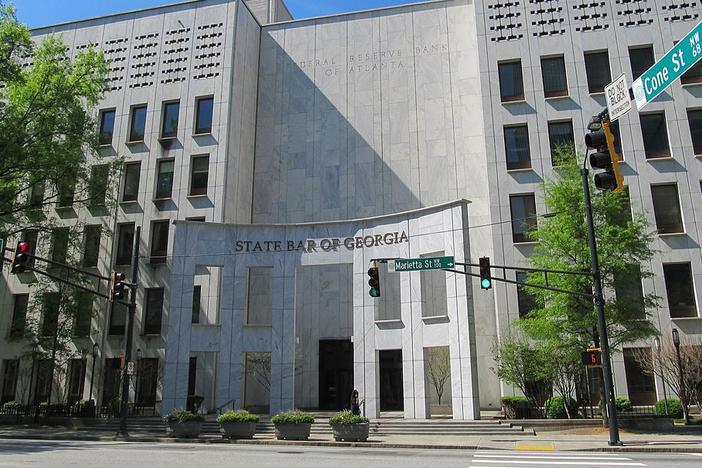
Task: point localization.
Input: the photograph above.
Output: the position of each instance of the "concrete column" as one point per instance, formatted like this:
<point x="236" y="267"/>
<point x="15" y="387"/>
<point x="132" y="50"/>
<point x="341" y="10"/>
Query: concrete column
<point x="282" y="342"/>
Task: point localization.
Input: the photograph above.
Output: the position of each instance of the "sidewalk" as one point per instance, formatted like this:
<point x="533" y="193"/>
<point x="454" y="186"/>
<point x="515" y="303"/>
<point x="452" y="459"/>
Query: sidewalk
<point x="564" y="440"/>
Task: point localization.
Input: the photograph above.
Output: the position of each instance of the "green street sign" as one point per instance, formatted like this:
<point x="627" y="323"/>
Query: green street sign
<point x="683" y="56"/>
<point x="415" y="264"/>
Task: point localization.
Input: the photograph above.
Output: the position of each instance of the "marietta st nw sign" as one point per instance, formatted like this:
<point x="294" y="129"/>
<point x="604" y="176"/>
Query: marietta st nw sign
<point x="669" y="68"/>
<point x="414" y="264"/>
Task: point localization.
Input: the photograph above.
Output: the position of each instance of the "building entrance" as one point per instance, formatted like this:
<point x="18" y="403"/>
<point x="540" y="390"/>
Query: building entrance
<point x="391" y="395"/>
<point x="335" y="374"/>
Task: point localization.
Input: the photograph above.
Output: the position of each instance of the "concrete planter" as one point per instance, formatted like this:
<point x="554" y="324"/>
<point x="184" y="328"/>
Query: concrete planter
<point x="645" y="423"/>
<point x="238" y="430"/>
<point x="184" y="430"/>
<point x="351" y="432"/>
<point x="293" y="431"/>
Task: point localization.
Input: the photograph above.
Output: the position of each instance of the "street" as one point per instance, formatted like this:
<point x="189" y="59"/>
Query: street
<point x="23" y="453"/>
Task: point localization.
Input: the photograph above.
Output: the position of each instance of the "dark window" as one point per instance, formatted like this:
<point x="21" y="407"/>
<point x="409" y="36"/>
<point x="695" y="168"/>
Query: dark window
<point x="98" y="184"/>
<point x="554" y="76"/>
<point x="107" y="126"/>
<point x="666" y="207"/>
<point x="111" y="383"/>
<point x="31" y="236"/>
<point x="517" y="147"/>
<point x="147" y="373"/>
<point x="629" y="292"/>
<point x="44" y="377"/>
<point x="597" y="69"/>
<point x="154" y="311"/>
<point x="655" y="135"/>
<point x="511" y="83"/>
<point x="694" y="118"/>
<point x="130" y="191"/>
<point x="641" y="59"/>
<point x="19" y="315"/>
<point x="525" y="301"/>
<point x="81" y="326"/>
<point x="59" y="245"/>
<point x="523" y="208"/>
<point x="36" y="194"/>
<point x="693" y="75"/>
<point x="118" y="319"/>
<point x="680" y="290"/>
<point x="642" y="390"/>
<point x="198" y="175"/>
<point x="10" y="372"/>
<point x="199" y="219"/>
<point x="137" y="124"/>
<point x="91" y="248"/>
<point x="159" y="241"/>
<point x="76" y="380"/>
<point x="66" y="190"/>
<point x="49" y="323"/>
<point x="561" y="140"/>
<point x="164" y="183"/>
<point x="203" y="116"/>
<point x="197" y="295"/>
<point x="169" y="127"/>
<point x="125" y="242"/>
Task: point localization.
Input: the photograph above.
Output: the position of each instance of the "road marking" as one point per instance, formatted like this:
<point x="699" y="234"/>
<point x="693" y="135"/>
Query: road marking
<point x="536" y="448"/>
<point x="560" y="463"/>
<point x="552" y="457"/>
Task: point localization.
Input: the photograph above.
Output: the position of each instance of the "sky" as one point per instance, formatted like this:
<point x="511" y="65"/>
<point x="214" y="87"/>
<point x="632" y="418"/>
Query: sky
<point x="35" y="13"/>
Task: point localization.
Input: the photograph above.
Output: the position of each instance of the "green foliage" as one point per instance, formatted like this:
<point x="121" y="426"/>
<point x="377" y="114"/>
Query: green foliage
<point x="181" y="415"/>
<point x="293" y="417"/>
<point x="237" y="416"/>
<point x="675" y="409"/>
<point x="622" y="404"/>
<point x="514" y="400"/>
<point x="347" y="417"/>
<point x="11" y="405"/>
<point x="555" y="408"/>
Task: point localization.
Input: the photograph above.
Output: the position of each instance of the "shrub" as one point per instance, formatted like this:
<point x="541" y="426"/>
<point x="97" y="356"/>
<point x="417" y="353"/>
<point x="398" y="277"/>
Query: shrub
<point x="515" y="401"/>
<point x="347" y="417"/>
<point x="181" y="415"/>
<point x="292" y="417"/>
<point x="675" y="409"/>
<point x="10" y="406"/>
<point x="555" y="409"/>
<point x="237" y="416"/>
<point x="515" y="407"/>
<point x="622" y="404"/>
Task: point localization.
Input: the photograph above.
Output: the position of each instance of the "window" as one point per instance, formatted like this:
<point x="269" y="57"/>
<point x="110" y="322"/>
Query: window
<point x="597" y="69"/>
<point x="694" y="118"/>
<point x="31" y="236"/>
<point x="10" y="373"/>
<point x="164" y="183"/>
<point x="511" y="83"/>
<point x="433" y="288"/>
<point x="19" y="315"/>
<point x="147" y="373"/>
<point x="641" y="59"/>
<point x="666" y="207"/>
<point x="81" y="324"/>
<point x="680" y="290"/>
<point x="198" y="175"/>
<point x="523" y="208"/>
<point x="554" y="76"/>
<point x="259" y="298"/>
<point x="628" y="290"/>
<point x="36" y="194"/>
<point x="130" y="191"/>
<point x="197" y="295"/>
<point x="517" y="147"/>
<point x="525" y="301"/>
<point x="560" y="134"/>
<point x="655" y="135"/>
<point x="169" y="126"/>
<point x="159" y="241"/>
<point x="640" y="385"/>
<point x="154" y="311"/>
<point x="59" y="244"/>
<point x="125" y="242"/>
<point x="49" y="323"/>
<point x="137" y="126"/>
<point x="199" y="219"/>
<point x="91" y="248"/>
<point x="107" y="126"/>
<point x="66" y="188"/>
<point x="118" y="319"/>
<point x="203" y="116"/>
<point x="693" y="75"/>
<point x="76" y="380"/>
<point x="98" y="184"/>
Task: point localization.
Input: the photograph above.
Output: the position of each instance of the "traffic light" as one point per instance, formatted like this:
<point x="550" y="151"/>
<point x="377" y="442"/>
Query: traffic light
<point x="485" y="277"/>
<point x="21" y="259"/>
<point x="606" y="156"/>
<point x="117" y="286"/>
<point x="374" y="281"/>
<point x="592" y="357"/>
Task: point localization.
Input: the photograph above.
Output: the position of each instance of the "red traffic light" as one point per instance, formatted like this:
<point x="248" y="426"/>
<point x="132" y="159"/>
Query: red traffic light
<point x="23" y="247"/>
<point x="592" y="357"/>
<point x="21" y="258"/>
<point x="117" y="285"/>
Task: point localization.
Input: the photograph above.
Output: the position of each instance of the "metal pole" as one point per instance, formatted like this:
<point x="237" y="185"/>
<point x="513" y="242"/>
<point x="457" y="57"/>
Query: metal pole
<point x="124" y="407"/>
<point x="601" y="322"/>
<point x="92" y="376"/>
<point x="681" y="381"/>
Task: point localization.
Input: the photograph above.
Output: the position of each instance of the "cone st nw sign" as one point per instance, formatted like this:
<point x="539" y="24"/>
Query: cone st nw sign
<point x="414" y="264"/>
<point x="669" y="68"/>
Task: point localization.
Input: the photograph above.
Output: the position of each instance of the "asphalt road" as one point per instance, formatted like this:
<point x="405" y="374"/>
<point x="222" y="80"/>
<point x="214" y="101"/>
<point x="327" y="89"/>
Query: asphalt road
<point x="26" y="453"/>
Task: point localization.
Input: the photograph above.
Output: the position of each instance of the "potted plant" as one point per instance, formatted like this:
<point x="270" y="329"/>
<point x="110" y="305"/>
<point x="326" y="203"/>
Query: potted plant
<point x="238" y="424"/>
<point x="349" y="427"/>
<point x="184" y="424"/>
<point x="292" y="425"/>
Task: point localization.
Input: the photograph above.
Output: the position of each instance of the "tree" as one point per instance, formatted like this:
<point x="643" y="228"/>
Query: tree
<point x="438" y="368"/>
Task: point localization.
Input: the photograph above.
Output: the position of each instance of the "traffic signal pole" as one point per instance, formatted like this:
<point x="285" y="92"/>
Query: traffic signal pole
<point x="601" y="322"/>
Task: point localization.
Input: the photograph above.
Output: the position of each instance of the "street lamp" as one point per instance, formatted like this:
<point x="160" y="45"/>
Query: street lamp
<point x="92" y="372"/>
<point x="658" y="354"/>
<point x="683" y="398"/>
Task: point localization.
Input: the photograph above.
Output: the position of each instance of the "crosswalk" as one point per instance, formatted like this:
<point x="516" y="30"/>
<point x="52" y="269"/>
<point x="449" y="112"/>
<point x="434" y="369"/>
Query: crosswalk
<point x="514" y="459"/>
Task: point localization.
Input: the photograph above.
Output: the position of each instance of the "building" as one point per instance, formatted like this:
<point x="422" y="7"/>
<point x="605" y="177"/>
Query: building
<point x="408" y="126"/>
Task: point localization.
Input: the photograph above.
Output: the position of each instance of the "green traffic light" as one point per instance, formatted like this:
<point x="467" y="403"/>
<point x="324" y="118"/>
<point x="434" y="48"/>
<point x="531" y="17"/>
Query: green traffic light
<point x="485" y="283"/>
<point x="373" y="292"/>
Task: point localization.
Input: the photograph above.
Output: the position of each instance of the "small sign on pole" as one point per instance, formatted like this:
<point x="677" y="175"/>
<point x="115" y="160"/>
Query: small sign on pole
<point x="618" y="100"/>
<point x="131" y="370"/>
